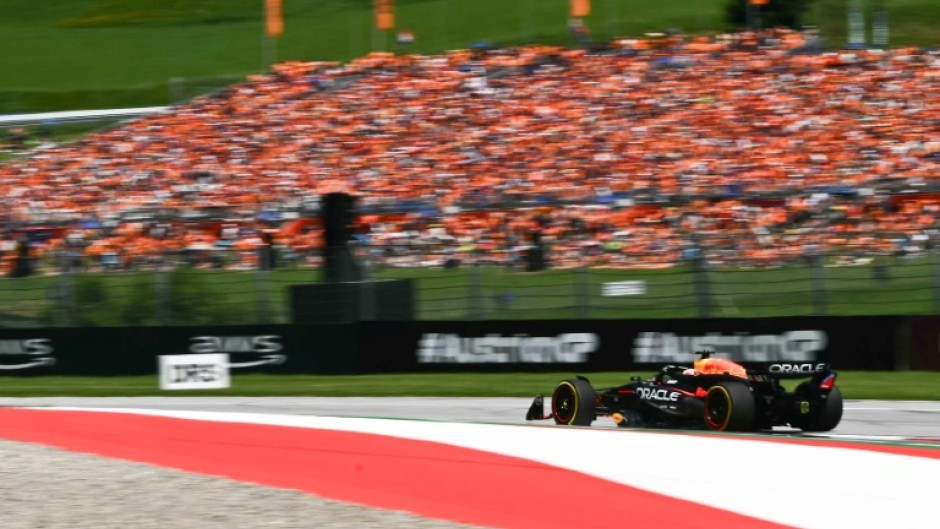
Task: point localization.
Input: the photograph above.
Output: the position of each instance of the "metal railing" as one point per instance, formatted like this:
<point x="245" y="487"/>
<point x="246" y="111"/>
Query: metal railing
<point x="185" y="291"/>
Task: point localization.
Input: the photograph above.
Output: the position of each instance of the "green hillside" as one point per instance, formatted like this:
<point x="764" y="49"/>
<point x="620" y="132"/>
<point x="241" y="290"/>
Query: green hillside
<point x="69" y="54"/>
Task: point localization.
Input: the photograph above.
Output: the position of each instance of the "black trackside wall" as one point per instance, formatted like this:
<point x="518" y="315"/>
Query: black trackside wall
<point x="428" y="346"/>
<point x="925" y="343"/>
<point x="609" y="345"/>
<point x="134" y="350"/>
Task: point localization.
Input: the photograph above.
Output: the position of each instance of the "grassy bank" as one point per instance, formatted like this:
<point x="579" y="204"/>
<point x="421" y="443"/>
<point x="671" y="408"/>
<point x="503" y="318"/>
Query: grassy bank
<point x="913" y="385"/>
<point x="69" y="54"/>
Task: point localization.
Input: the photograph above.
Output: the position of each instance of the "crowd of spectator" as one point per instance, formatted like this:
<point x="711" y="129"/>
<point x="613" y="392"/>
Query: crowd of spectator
<point x="750" y="148"/>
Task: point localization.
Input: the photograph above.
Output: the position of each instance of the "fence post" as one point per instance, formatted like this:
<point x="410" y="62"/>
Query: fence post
<point x="702" y="287"/>
<point x="818" y="283"/>
<point x="262" y="297"/>
<point x="582" y="291"/>
<point x="935" y="275"/>
<point x="474" y="292"/>
<point x="367" y="301"/>
<point x="66" y="296"/>
<point x="161" y="284"/>
<point x="176" y="88"/>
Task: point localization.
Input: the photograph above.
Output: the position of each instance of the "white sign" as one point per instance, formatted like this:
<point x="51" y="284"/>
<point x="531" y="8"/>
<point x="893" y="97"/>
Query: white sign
<point x="790" y="346"/>
<point x="624" y="288"/>
<point x="569" y="348"/>
<point x="27" y="353"/>
<point x="194" y="371"/>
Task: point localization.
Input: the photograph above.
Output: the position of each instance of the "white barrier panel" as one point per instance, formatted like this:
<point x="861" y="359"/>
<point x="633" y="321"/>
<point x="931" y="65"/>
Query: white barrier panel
<point x="77" y="115"/>
<point x="624" y="288"/>
<point x="194" y="371"/>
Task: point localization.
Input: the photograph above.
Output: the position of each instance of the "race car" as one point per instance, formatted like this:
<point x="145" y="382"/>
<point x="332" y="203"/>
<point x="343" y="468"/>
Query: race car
<point x="715" y="394"/>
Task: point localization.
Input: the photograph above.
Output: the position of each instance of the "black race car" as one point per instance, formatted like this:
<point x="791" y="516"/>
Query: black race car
<point x="715" y="394"/>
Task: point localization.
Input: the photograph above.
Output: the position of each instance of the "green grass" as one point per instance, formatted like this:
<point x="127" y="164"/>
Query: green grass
<point x="70" y="54"/>
<point x="910" y="22"/>
<point x="913" y="385"/>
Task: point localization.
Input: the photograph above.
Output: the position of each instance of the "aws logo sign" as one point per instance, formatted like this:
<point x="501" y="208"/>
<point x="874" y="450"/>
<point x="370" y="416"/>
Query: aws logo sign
<point x="255" y="350"/>
<point x="26" y="353"/>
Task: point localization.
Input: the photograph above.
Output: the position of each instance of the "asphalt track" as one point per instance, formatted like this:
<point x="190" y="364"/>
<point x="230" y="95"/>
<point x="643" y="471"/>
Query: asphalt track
<point x="918" y="420"/>
<point x="464" y="459"/>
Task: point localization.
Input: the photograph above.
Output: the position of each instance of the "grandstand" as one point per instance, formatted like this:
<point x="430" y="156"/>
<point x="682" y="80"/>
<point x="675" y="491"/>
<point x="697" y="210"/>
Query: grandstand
<point x="726" y="151"/>
<point x="754" y="146"/>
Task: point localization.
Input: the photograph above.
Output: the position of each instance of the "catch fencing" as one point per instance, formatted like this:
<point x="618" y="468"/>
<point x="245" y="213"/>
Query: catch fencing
<point x="220" y="291"/>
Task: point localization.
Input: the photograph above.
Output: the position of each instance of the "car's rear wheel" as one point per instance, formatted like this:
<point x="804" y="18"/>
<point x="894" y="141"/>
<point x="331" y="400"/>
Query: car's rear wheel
<point x="825" y="410"/>
<point x="573" y="402"/>
<point x="729" y="406"/>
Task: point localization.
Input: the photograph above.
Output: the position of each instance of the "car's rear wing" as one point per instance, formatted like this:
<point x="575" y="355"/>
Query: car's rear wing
<point x="788" y="369"/>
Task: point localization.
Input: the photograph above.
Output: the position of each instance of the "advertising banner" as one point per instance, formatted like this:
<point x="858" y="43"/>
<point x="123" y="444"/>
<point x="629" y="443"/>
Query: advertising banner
<point x="197" y="371"/>
<point x="868" y="343"/>
<point x="580" y="8"/>
<point x="384" y="14"/>
<point x="610" y="345"/>
<point x="108" y="351"/>
<point x="274" y="18"/>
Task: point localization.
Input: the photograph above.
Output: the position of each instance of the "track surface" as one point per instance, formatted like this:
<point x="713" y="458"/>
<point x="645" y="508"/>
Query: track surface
<point x="495" y="474"/>
<point x="865" y="418"/>
<point x="467" y="460"/>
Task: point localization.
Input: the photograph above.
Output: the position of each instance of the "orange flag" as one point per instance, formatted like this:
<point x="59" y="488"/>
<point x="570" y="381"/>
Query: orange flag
<point x="384" y="14"/>
<point x="274" y="18"/>
<point x="580" y="8"/>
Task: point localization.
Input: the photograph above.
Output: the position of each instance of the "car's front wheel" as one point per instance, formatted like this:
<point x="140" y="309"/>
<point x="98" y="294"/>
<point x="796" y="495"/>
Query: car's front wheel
<point x="573" y="402"/>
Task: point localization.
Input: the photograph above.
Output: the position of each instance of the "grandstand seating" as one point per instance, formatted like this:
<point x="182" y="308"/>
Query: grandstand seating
<point x="754" y="148"/>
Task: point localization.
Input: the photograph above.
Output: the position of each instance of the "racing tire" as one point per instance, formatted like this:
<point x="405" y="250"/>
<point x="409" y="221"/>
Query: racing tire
<point x="825" y="413"/>
<point x="573" y="402"/>
<point x="730" y="406"/>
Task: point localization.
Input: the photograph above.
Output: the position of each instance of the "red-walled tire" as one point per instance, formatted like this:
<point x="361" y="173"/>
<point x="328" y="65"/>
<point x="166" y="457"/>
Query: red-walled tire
<point x="730" y="406"/>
